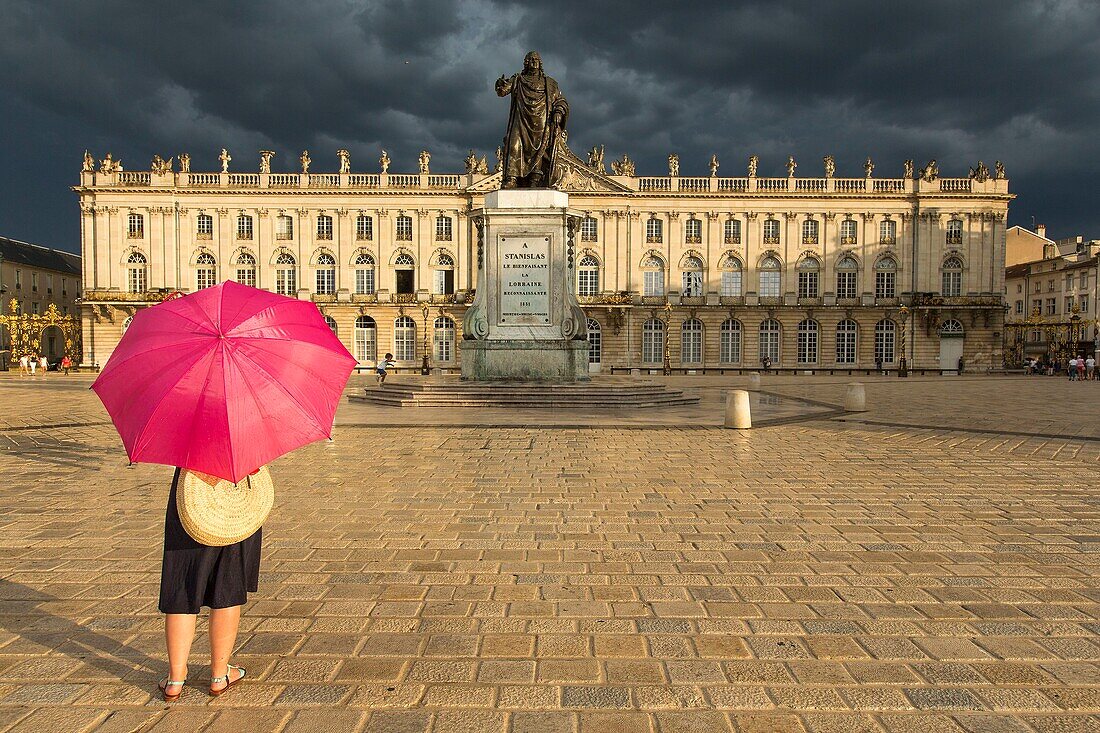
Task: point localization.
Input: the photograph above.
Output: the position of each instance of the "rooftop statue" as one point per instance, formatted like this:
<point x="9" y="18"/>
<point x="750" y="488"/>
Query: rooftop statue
<point x="1000" y="168"/>
<point x="305" y="160"/>
<point x="754" y="162"/>
<point x="536" y="122"/>
<point x="673" y="164"/>
<point x="830" y="165"/>
<point x="265" y="160"/>
<point x="869" y="167"/>
<point x="714" y="165"/>
<point x="89" y="163"/>
<point x="226" y="159"/>
<point x="345" y="160"/>
<point x="185" y="162"/>
<point x="595" y="159"/>
<point x="384" y="162"/>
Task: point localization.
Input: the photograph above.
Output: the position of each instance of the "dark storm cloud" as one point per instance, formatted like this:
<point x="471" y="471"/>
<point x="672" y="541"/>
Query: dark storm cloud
<point x="1012" y="80"/>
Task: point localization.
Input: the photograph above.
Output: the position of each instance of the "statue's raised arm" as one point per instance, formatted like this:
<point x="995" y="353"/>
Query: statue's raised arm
<point x="536" y="123"/>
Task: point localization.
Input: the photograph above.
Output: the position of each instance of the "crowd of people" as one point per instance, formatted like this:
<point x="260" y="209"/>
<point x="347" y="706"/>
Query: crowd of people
<point x="29" y="364"/>
<point x="1077" y="368"/>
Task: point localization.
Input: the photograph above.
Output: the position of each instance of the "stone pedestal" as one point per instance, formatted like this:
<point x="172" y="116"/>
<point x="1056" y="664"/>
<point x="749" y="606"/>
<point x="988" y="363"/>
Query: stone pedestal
<point x="525" y="322"/>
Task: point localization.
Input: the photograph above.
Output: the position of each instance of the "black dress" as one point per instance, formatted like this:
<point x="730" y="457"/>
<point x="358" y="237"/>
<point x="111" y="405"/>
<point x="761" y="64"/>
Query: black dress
<point x="195" y="575"/>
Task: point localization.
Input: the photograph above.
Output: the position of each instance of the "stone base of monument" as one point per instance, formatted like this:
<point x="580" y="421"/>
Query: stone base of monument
<point x="522" y="360"/>
<point x="605" y="393"/>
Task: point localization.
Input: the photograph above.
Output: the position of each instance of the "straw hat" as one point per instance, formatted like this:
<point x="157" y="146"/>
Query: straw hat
<point x="216" y="512"/>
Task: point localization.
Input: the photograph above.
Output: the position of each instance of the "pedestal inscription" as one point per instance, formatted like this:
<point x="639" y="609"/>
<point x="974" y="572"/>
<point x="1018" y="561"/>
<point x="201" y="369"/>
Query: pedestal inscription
<point x="524" y="280"/>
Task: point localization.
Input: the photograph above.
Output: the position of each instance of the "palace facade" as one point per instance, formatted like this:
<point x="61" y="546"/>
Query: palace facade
<point x="689" y="273"/>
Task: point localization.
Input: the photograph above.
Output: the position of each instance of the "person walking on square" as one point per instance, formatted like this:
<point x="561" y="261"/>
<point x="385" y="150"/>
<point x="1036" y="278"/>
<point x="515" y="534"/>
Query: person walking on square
<point x="45" y="364"/>
<point x="1081" y="368"/>
<point x="1072" y="369"/>
<point x="34" y="363"/>
<point x="24" y="365"/>
<point x="66" y="364"/>
<point x="1090" y="368"/>
<point x="383" y="365"/>
<point x="194" y="575"/>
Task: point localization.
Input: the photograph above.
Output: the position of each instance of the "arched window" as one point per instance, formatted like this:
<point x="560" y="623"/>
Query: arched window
<point x="324" y="227"/>
<point x="286" y="275"/>
<point x="808" y="271"/>
<point x="135" y="226"/>
<point x="588" y="229"/>
<point x="733" y="231"/>
<point x="404" y="228"/>
<point x="404" y="339"/>
<point x="886" y="274"/>
<point x="771" y="231"/>
<point x="951" y="327"/>
<point x="731" y="277"/>
<point x="246" y="269"/>
<point x="588" y="276"/>
<point x="691" y="341"/>
<point x="364" y="274"/>
<point x="325" y="274"/>
<point x="692" y="277"/>
<point x="284" y="227"/>
<point x="442" y="228"/>
<point x="847" y="332"/>
<point x="809" y="231"/>
<point x="244" y="226"/>
<point x="206" y="271"/>
<point x="770" y="333"/>
<point x="693" y="231"/>
<point x="653" y="231"/>
<point x="955" y="231"/>
<point x="885" y="335"/>
<point x="848" y="232"/>
<point x="404" y="271"/>
<point x="364" y="228"/>
<point x="769" y="277"/>
<point x="443" y="277"/>
<point x="137" y="269"/>
<point x="443" y="338"/>
<point x="595" y="342"/>
<point x="204" y="227"/>
<point x="653" y="276"/>
<point x="653" y="341"/>
<point x="887" y="231"/>
<point x="331" y="323"/>
<point x="807" y="342"/>
<point x="952" y="277"/>
<point x="366" y="339"/>
<point x="847" y="270"/>
<point x="126" y="323"/>
<point x="730" y="351"/>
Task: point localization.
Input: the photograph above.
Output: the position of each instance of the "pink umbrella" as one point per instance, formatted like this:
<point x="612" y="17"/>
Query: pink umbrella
<point x="224" y="380"/>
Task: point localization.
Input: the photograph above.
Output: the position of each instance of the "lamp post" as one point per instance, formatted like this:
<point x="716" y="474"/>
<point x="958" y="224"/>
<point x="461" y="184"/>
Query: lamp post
<point x="425" y="367"/>
<point x="668" y="331"/>
<point x="903" y="367"/>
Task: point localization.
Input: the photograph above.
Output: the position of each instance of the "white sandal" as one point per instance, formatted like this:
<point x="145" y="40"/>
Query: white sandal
<point x="225" y="678"/>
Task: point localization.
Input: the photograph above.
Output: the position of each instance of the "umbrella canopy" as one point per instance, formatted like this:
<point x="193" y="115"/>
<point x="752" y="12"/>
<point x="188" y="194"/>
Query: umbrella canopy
<point x="224" y="380"/>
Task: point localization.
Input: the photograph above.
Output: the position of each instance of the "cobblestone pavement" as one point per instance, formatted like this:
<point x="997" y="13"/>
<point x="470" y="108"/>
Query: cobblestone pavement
<point x="813" y="576"/>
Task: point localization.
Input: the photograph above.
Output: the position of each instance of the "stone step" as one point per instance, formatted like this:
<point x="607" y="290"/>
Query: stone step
<point x="527" y="404"/>
<point x="627" y="395"/>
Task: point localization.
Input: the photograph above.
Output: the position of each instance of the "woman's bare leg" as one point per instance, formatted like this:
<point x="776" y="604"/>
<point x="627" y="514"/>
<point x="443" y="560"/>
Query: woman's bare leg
<point x="179" y="632"/>
<point x="224" y="623"/>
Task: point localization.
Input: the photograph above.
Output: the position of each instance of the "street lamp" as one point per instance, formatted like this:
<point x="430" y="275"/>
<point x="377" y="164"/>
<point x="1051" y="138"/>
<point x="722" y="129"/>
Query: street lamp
<point x="668" y="329"/>
<point x="425" y="368"/>
<point x="903" y="368"/>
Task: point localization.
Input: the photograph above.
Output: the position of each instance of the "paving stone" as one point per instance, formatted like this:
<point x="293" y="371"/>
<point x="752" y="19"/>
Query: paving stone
<point x="69" y="720"/>
<point x="595" y="697"/>
<point x="543" y="722"/>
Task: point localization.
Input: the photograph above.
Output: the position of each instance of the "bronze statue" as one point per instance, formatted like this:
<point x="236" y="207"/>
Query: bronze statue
<point x="536" y="120"/>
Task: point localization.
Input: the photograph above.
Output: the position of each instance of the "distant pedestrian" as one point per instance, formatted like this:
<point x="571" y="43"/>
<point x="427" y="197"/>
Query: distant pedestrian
<point x="1090" y="368"/>
<point x="766" y="362"/>
<point x="1072" y="369"/>
<point x="1081" y="368"/>
<point x="24" y="365"/>
<point x="66" y="363"/>
<point x="878" y="363"/>
<point x="45" y="364"/>
<point x="380" y="370"/>
<point x="34" y="363"/>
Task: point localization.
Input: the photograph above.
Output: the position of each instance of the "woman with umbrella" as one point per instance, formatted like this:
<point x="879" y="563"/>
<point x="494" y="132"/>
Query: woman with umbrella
<point x="219" y="383"/>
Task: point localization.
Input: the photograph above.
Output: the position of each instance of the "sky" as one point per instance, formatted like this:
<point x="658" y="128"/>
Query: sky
<point x="955" y="80"/>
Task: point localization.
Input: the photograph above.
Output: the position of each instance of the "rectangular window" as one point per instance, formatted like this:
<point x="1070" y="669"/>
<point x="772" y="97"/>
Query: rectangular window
<point x="846" y="346"/>
<point x="588" y="281"/>
<point x="733" y="231"/>
<point x="771" y="231"/>
<point x="769" y="284"/>
<point x="364" y="281"/>
<point x="1052" y="306"/>
<point x="1050" y="286"/>
<point x="205" y="278"/>
<point x="654" y="283"/>
<point x="326" y="281"/>
<point x="885" y="285"/>
<point x="136" y="226"/>
<point x="846" y="285"/>
<point x="952" y="283"/>
<point x="49" y="284"/>
<point x="848" y="231"/>
<point x="730" y="351"/>
<point x="807" y="285"/>
<point x="1019" y="307"/>
<point x="324" y="227"/>
<point x="18" y="279"/>
<point x="404" y="343"/>
<point x="443" y="229"/>
<point x="1069" y="304"/>
<point x="884" y="345"/>
<point x="1084" y="303"/>
<point x="588" y="229"/>
<point x="286" y="281"/>
<point x="731" y="284"/>
<point x="284" y="227"/>
<point x="34" y="282"/>
<point x="887" y="231"/>
<point x="807" y="345"/>
<point x="244" y="227"/>
<point x="204" y="227"/>
<point x="136" y="279"/>
<point x="693" y="231"/>
<point x="653" y="231"/>
<point x="364" y="227"/>
<point x="1069" y="282"/>
<point x="247" y="276"/>
<point x="443" y="282"/>
<point x="1084" y="280"/>
<point x="653" y="344"/>
<point x="404" y="229"/>
<point x="693" y="284"/>
<point x="954" y="231"/>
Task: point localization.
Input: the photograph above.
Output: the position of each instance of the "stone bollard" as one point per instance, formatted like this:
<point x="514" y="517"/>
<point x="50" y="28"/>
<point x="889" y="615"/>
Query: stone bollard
<point x="855" y="400"/>
<point x="754" y="380"/>
<point x="738" y="415"/>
